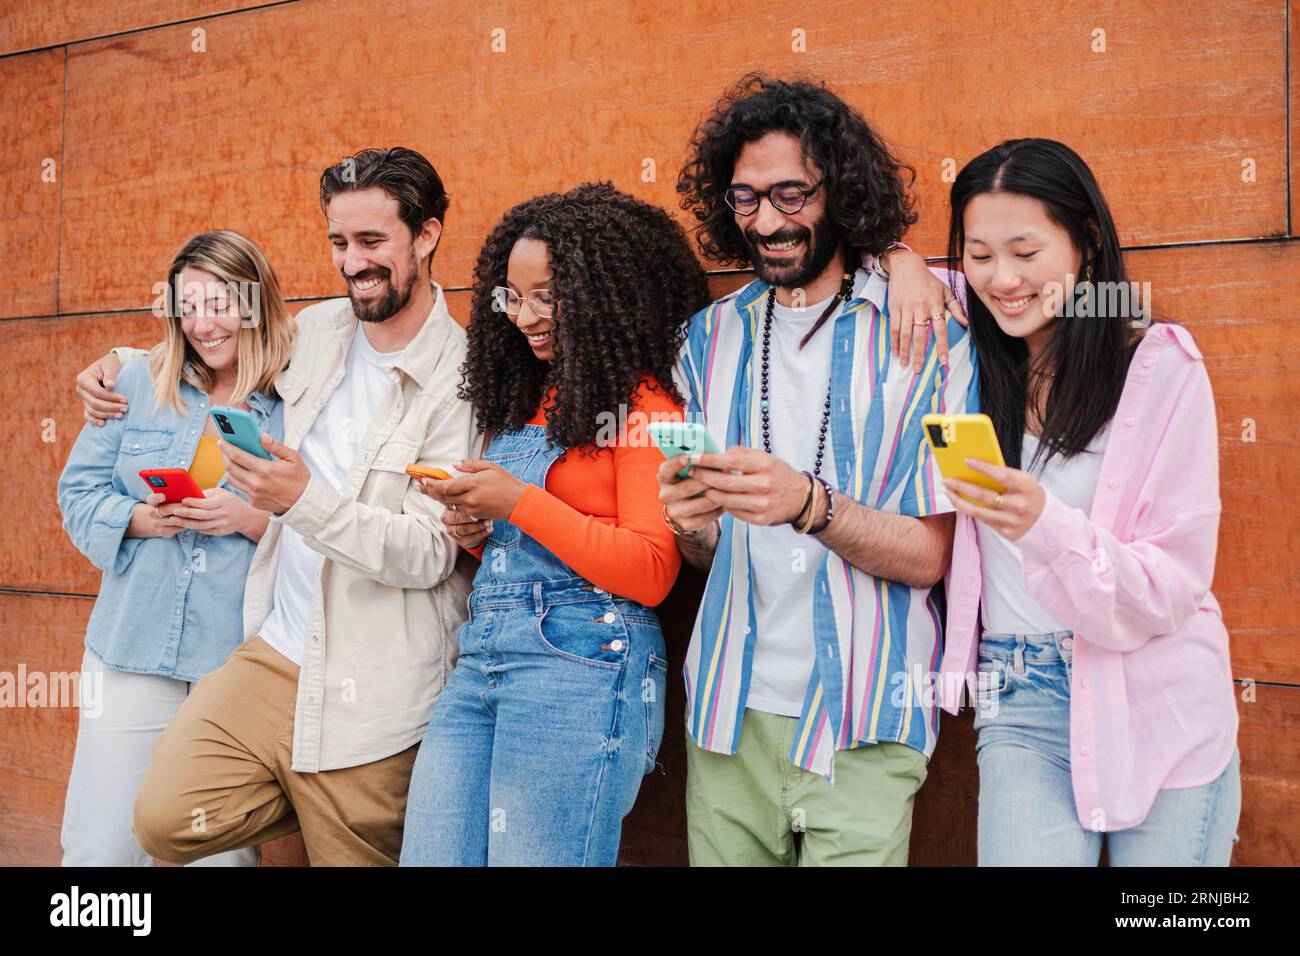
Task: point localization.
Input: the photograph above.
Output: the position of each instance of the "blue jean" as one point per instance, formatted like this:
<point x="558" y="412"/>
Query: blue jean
<point x="1026" y="805"/>
<point x="539" y="741"/>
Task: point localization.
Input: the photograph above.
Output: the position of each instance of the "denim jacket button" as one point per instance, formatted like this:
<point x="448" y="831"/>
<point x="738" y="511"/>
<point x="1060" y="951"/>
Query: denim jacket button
<point x="609" y="617"/>
<point x="1067" y="643"/>
<point x="615" y="645"/>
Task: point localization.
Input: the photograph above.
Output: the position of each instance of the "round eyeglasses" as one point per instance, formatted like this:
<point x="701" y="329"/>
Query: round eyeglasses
<point x="510" y="302"/>
<point x="784" y="197"/>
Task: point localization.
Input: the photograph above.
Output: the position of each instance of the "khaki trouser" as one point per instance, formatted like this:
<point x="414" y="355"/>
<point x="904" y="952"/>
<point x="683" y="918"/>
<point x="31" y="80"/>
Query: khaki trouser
<point x="220" y="776"/>
<point x="757" y="809"/>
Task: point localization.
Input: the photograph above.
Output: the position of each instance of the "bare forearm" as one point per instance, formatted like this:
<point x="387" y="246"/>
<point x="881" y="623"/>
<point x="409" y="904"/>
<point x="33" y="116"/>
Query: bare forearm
<point x="912" y="551"/>
<point x="697" y="549"/>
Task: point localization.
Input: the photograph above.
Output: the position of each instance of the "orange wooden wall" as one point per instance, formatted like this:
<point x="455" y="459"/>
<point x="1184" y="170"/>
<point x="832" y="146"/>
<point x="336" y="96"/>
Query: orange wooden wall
<point x="147" y="140"/>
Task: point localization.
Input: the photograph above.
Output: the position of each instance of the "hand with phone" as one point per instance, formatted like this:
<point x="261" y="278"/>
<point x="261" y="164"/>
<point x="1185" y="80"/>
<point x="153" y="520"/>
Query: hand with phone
<point x="273" y="483"/>
<point x="218" y="512"/>
<point x="468" y="530"/>
<point x="979" y="484"/>
<point x="152" y="518"/>
<point x="483" y="489"/>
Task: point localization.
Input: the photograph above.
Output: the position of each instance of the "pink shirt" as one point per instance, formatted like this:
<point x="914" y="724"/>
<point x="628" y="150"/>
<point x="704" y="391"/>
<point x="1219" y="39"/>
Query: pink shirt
<point x="1152" y="705"/>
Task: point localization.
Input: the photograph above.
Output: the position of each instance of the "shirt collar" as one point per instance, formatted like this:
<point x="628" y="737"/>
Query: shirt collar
<point x="420" y="356"/>
<point x="867" y="286"/>
<point x="255" y="398"/>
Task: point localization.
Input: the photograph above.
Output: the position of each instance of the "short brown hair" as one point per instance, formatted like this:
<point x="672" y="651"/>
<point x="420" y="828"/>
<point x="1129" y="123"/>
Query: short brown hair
<point x="403" y="175"/>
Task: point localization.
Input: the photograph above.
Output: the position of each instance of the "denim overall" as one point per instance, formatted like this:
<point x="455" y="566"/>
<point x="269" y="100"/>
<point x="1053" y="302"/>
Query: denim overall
<point x="1027" y="813"/>
<point x="552" y="714"/>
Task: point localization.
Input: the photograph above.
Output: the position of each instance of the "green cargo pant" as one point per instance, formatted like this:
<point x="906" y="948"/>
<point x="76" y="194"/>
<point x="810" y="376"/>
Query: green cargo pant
<point x="757" y="809"/>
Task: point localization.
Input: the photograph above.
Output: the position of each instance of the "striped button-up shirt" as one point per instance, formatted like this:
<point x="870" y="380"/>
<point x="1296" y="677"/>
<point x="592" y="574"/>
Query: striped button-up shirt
<point x="877" y="642"/>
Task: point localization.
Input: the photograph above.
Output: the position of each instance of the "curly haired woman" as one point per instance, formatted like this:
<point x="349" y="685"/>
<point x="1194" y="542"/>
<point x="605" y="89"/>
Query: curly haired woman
<point x="554" y="711"/>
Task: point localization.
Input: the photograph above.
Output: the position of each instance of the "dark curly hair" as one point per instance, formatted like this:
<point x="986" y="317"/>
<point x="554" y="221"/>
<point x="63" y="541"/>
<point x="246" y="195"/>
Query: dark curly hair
<point x="866" y="196"/>
<point x="626" y="281"/>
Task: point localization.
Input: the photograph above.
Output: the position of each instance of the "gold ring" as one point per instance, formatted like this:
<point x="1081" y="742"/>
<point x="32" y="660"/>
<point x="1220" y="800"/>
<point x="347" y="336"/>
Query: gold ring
<point x="937" y="317"/>
<point x="997" y="504"/>
<point x="922" y="322"/>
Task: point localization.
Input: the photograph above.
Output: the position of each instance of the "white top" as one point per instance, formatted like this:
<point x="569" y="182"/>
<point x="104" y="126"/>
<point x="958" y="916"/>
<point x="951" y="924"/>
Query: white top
<point x="329" y="450"/>
<point x="1006" y="606"/>
<point x="783" y="561"/>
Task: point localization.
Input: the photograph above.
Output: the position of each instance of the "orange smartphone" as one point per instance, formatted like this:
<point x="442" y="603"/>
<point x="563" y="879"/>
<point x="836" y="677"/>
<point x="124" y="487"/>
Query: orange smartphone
<point x="427" y="471"/>
<point x="176" y="483"/>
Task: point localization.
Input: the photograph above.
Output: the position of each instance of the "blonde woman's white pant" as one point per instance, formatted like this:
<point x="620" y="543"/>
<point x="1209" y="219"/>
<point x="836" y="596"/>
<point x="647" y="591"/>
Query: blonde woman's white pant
<point x="114" y="741"/>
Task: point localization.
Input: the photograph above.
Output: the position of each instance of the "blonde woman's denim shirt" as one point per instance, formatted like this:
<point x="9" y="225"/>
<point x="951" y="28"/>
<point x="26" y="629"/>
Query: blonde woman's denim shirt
<point x="170" y="606"/>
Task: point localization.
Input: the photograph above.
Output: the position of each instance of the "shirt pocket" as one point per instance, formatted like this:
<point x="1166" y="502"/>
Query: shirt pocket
<point x="291" y="385"/>
<point x="388" y="481"/>
<point x="142" y="448"/>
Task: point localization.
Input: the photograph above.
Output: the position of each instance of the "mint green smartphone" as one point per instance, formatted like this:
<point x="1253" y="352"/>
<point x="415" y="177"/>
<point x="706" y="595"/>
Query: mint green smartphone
<point x="681" y="438"/>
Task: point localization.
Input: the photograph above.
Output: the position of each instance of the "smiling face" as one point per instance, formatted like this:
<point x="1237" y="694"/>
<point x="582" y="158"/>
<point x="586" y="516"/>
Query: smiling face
<point x="528" y="271"/>
<point x="1013" y="252"/>
<point x="374" y="250"/>
<point x="209" y="317"/>
<point x="787" y="250"/>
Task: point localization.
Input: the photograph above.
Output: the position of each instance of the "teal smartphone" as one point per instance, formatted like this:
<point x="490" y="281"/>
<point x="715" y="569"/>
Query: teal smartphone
<point x="238" y="428"/>
<point x="681" y="438"/>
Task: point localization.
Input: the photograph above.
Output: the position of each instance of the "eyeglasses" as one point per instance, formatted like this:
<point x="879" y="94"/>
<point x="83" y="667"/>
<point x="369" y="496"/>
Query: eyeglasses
<point x="786" y="199"/>
<point x="509" y="301"/>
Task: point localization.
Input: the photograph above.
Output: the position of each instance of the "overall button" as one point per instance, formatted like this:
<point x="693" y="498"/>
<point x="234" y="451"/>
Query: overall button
<point x="610" y="617"/>
<point x="1067" y="643"/>
<point x="615" y="645"/>
<point x="596" y="590"/>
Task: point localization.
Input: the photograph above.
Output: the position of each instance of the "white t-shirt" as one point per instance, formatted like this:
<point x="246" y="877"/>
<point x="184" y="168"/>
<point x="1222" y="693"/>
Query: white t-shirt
<point x="783" y="561"/>
<point x="329" y="449"/>
<point x="1006" y="606"/>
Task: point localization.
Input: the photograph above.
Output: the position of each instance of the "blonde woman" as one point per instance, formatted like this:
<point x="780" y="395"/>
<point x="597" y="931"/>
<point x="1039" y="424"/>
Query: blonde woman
<point x="170" y="602"/>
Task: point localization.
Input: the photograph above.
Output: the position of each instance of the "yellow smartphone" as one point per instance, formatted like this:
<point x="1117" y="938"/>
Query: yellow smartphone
<point x="427" y="471"/>
<point x="954" y="438"/>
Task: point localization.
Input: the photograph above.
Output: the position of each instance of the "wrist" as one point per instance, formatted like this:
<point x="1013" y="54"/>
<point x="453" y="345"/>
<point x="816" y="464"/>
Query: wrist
<point x="894" y="251"/>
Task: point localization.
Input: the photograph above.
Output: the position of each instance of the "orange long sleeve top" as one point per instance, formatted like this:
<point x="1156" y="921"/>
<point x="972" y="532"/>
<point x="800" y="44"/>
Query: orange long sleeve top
<point x="601" y="516"/>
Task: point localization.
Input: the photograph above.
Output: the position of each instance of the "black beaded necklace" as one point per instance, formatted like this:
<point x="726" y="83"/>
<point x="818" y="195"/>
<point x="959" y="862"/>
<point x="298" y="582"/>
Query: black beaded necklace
<point x="846" y="286"/>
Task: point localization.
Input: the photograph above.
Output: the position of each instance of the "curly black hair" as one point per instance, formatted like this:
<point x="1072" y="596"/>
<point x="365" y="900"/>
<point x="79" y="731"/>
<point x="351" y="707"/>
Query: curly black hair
<point x="626" y="281"/>
<point x="865" y="189"/>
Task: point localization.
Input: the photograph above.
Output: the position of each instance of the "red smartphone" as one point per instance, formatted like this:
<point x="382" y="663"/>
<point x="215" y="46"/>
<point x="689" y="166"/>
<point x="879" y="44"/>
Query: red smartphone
<point x="175" y="483"/>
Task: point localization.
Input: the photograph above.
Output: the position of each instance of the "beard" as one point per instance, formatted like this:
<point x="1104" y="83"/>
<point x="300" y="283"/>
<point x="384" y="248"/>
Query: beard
<point x="819" y="248"/>
<point x="391" y="302"/>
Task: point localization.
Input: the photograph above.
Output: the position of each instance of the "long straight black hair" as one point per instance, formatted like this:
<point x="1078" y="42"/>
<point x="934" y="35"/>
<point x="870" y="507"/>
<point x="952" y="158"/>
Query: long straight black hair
<point x="1086" y="355"/>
